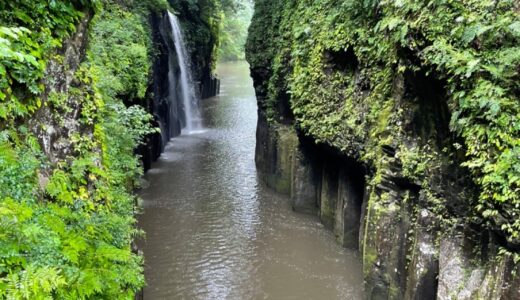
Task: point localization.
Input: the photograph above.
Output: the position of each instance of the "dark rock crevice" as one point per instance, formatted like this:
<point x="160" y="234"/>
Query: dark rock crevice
<point x="344" y="60"/>
<point x="431" y="117"/>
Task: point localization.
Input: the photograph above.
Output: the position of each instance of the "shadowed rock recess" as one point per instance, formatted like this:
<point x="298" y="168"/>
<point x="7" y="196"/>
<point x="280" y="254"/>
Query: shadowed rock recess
<point x="382" y="119"/>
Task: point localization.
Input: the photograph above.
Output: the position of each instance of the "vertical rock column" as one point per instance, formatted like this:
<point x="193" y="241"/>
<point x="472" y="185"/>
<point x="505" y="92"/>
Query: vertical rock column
<point x="275" y="147"/>
<point x="423" y="267"/>
<point x="304" y="183"/>
<point x="385" y="243"/>
<point x="348" y="208"/>
<point x="329" y="194"/>
<point x="469" y="271"/>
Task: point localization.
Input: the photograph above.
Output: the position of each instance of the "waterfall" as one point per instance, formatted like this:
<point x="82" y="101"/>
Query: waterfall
<point x="189" y="98"/>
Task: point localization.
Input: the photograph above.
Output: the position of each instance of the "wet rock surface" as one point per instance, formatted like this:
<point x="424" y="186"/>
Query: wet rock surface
<point x="304" y="183"/>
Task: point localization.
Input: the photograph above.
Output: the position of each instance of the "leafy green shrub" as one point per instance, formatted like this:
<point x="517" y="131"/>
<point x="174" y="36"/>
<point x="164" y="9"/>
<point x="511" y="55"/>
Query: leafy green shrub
<point x="66" y="227"/>
<point x="234" y="32"/>
<point x="120" y="51"/>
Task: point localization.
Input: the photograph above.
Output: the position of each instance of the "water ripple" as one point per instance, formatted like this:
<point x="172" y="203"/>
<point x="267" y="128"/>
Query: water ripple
<point x="215" y="232"/>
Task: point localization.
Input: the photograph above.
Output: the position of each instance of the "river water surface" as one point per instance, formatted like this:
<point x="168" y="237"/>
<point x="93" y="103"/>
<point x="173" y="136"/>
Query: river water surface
<point x="213" y="231"/>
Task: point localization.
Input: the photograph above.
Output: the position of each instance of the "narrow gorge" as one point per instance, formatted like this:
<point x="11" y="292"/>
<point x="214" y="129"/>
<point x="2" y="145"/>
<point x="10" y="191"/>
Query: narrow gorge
<point x="259" y="149"/>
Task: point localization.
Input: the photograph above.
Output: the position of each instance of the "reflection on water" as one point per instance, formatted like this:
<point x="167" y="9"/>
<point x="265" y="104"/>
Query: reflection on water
<point x="213" y="231"/>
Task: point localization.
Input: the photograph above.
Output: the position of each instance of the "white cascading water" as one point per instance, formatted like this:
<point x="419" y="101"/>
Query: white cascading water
<point x="190" y="102"/>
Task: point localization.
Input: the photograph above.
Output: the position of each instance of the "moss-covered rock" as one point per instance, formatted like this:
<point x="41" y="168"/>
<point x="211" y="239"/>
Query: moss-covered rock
<point x="423" y="95"/>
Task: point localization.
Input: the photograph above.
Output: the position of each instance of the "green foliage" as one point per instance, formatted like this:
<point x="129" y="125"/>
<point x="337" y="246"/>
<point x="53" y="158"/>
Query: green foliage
<point x="120" y="52"/>
<point x="19" y="162"/>
<point x="20" y="63"/>
<point x="29" y="30"/>
<point x="157" y="6"/>
<point x="234" y="32"/>
<point x="66" y="226"/>
<point x="342" y="63"/>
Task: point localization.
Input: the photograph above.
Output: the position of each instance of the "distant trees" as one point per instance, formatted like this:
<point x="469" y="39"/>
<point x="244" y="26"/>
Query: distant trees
<point x="237" y="15"/>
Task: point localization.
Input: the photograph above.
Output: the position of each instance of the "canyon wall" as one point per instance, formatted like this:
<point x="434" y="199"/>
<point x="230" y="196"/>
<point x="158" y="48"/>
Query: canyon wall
<point x="381" y="118"/>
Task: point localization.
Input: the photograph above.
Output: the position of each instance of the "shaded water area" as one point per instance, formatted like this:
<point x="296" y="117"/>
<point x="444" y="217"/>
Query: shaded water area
<point x="214" y="231"/>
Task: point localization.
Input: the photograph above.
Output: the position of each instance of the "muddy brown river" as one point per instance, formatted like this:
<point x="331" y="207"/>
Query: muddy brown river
<point x="214" y="231"/>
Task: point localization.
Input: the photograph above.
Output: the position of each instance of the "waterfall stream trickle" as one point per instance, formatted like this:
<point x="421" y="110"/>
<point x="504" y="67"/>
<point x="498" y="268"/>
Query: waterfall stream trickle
<point x="189" y="98"/>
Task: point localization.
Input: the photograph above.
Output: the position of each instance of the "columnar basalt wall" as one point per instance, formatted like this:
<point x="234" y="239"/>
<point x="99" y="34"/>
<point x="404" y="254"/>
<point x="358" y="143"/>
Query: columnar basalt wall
<point x="369" y="120"/>
<point x="406" y="253"/>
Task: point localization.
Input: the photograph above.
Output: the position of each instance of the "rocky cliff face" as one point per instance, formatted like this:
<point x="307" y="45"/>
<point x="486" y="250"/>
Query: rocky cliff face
<point x="54" y="129"/>
<point x="356" y="122"/>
